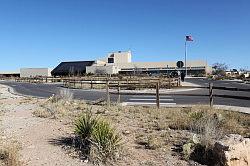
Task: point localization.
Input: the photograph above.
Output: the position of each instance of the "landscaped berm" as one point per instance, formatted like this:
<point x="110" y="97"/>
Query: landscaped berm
<point x="63" y="131"/>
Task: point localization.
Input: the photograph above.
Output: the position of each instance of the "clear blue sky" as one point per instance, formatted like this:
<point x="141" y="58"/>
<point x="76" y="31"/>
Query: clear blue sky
<point x="42" y="33"/>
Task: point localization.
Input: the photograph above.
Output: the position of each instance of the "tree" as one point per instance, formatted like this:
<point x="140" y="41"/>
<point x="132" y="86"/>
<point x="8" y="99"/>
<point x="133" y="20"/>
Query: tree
<point x="219" y="69"/>
<point x="243" y="70"/>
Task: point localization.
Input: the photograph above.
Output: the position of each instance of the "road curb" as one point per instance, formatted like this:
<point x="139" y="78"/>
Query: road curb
<point x="245" y="110"/>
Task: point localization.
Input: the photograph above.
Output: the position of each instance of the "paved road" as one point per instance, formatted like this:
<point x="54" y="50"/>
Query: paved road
<point x="184" y="97"/>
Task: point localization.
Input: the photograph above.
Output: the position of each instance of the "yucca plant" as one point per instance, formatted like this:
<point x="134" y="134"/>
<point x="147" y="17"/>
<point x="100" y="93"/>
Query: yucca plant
<point x="98" y="140"/>
<point x="106" y="141"/>
<point x="84" y="127"/>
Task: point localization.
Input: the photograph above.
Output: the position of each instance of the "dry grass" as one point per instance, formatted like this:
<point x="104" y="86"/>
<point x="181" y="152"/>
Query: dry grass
<point x="56" y="108"/>
<point x="65" y="94"/>
<point x="9" y="154"/>
<point x="42" y="113"/>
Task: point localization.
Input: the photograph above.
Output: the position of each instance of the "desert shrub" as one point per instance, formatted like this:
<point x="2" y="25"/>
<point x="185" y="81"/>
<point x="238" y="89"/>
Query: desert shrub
<point x="179" y="120"/>
<point x="199" y="148"/>
<point x="55" y="107"/>
<point x="65" y="94"/>
<point x="152" y="143"/>
<point x="42" y="113"/>
<point x="106" y="142"/>
<point x="100" y="142"/>
<point x="148" y="141"/>
<point x="53" y="99"/>
<point x="196" y="115"/>
<point x="84" y="127"/>
<point x="235" y="123"/>
<point x="9" y="155"/>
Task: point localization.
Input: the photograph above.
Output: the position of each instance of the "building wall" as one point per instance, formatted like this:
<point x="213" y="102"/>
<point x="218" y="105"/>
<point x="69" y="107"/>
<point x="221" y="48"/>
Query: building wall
<point x="201" y="64"/>
<point x="35" y="72"/>
<point x="109" y="69"/>
<point x="120" y="57"/>
<point x="123" y="57"/>
<point x="194" y="67"/>
<point x="120" y="62"/>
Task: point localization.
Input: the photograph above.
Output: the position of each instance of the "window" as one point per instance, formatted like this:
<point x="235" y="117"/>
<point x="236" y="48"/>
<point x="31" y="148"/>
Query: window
<point x="110" y="60"/>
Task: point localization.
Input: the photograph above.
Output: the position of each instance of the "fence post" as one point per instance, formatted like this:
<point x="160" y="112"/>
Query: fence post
<point x="169" y="83"/>
<point x="179" y="81"/>
<point x="91" y="83"/>
<point x="118" y="91"/>
<point x="157" y="95"/>
<point x="68" y="83"/>
<point x="211" y="100"/>
<point x="139" y="81"/>
<point x="107" y="92"/>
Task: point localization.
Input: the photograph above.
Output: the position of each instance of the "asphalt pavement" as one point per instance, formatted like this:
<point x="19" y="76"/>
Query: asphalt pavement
<point x="190" y="97"/>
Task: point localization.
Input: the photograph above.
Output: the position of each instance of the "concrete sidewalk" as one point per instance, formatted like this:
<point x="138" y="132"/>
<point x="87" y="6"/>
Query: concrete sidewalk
<point x="185" y="83"/>
<point x="233" y="108"/>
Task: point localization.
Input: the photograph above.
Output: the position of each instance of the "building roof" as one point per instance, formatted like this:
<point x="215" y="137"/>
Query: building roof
<point x="71" y="68"/>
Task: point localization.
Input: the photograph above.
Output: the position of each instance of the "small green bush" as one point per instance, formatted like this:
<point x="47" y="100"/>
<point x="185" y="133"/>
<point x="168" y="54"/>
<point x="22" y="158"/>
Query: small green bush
<point x="106" y="140"/>
<point x="99" y="140"/>
<point x="84" y="127"/>
<point x="197" y="115"/>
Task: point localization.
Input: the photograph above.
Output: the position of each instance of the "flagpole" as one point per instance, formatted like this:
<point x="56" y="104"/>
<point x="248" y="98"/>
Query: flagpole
<point x="186" y="56"/>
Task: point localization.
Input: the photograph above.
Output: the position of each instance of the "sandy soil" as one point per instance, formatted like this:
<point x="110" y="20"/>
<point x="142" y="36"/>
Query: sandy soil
<point x="34" y="134"/>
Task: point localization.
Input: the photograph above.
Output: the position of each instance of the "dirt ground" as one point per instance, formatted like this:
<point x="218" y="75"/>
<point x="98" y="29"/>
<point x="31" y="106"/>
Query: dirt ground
<point x="33" y="134"/>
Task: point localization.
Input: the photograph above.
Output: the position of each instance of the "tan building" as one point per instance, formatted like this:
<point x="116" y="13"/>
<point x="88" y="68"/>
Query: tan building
<point x="35" y="72"/>
<point x="120" y="62"/>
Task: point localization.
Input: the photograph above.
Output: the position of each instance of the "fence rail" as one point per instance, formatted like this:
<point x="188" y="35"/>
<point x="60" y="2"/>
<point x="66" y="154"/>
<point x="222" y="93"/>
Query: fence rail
<point x="134" y="83"/>
<point x="247" y="80"/>
<point x="114" y="82"/>
<point x="125" y="83"/>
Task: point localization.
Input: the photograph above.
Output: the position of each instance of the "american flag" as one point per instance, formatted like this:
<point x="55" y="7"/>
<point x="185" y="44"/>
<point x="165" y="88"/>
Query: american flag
<point x="189" y="38"/>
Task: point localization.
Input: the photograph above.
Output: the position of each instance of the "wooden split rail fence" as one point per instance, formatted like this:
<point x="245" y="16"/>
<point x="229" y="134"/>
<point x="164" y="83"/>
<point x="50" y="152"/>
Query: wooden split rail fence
<point x="92" y="82"/>
<point x="210" y="88"/>
<point x="135" y="83"/>
<point x="123" y="83"/>
<point x="247" y="80"/>
<point x="39" y="80"/>
<point x="212" y="94"/>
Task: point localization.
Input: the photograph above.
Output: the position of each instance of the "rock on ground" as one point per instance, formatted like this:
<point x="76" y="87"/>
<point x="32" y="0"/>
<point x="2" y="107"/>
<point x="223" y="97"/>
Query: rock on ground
<point x="233" y="150"/>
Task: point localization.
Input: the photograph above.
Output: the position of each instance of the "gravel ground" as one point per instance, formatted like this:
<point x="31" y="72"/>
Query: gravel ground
<point x="32" y="133"/>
